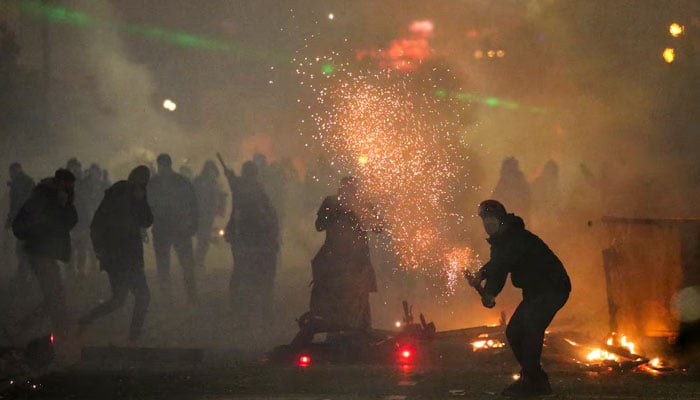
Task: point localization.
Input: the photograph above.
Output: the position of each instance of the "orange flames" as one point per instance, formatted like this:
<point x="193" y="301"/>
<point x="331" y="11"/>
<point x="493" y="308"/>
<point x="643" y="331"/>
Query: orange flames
<point x="485" y="342"/>
<point x="619" y="350"/>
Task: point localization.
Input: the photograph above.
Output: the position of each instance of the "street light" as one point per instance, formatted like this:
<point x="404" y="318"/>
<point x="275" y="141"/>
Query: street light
<point x="676" y="29"/>
<point x="669" y="54"/>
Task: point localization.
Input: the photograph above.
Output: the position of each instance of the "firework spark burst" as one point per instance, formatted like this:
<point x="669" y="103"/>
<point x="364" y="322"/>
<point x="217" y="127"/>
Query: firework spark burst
<point x="404" y="145"/>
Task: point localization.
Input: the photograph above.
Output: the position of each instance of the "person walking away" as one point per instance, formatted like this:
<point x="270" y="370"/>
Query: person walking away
<point x="116" y="237"/>
<point x="44" y="223"/>
<point x="174" y="206"/>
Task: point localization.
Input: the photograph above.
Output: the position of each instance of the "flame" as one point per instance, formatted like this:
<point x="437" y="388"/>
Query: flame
<point x="486" y="343"/>
<point x="601" y="355"/>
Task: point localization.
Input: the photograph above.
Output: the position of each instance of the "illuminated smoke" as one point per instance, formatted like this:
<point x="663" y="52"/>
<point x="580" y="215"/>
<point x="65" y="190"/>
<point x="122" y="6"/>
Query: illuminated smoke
<point x="404" y="145"/>
<point x="404" y="54"/>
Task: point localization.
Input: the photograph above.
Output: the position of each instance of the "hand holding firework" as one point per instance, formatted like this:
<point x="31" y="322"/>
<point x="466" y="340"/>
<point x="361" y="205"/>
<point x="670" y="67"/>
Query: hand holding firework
<point x="475" y="279"/>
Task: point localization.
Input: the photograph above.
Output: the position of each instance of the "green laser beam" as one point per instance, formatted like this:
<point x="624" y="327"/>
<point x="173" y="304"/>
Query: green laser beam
<point x="489" y="101"/>
<point x="183" y="39"/>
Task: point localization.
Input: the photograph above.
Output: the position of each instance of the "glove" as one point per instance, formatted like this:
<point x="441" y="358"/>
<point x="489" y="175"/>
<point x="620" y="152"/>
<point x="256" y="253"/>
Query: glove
<point x="488" y="301"/>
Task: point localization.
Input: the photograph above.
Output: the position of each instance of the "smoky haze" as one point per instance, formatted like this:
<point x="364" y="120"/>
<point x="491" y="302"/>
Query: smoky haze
<point x="590" y="89"/>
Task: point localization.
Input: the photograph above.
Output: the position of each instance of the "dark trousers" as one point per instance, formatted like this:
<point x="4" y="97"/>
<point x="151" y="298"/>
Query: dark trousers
<point x="122" y="282"/>
<point x="525" y="331"/>
<point x="48" y="274"/>
<point x="162" y="243"/>
<point x="252" y="283"/>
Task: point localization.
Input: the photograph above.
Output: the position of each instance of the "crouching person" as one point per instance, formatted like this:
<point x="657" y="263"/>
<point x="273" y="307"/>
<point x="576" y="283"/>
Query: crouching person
<point x="117" y="240"/>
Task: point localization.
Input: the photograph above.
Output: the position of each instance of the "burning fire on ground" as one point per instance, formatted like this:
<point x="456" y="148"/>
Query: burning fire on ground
<point x="618" y="353"/>
<point x="484" y="342"/>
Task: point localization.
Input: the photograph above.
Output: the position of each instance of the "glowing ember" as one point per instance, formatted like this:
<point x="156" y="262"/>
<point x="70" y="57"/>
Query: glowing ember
<point x="601" y="355"/>
<point x="486" y="343"/>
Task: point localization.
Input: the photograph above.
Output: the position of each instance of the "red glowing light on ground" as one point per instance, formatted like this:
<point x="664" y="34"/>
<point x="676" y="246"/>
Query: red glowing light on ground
<point x="406" y="354"/>
<point x="304" y="361"/>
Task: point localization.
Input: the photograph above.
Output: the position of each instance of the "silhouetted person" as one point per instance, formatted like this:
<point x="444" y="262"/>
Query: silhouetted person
<point x="116" y="237"/>
<point x="253" y="233"/>
<point x="44" y="223"/>
<point x="174" y="206"/>
<point x="512" y="188"/>
<point x="546" y="196"/>
<point x="342" y="272"/>
<point x="211" y="203"/>
<point x="545" y="285"/>
<point x="21" y="186"/>
<point x="545" y="190"/>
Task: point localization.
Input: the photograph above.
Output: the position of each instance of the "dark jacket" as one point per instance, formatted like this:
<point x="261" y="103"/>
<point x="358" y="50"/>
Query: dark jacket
<point x="116" y="228"/>
<point x="44" y="224"/>
<point x="534" y="268"/>
<point x="253" y="222"/>
<point x="174" y="205"/>
<point x="20" y="190"/>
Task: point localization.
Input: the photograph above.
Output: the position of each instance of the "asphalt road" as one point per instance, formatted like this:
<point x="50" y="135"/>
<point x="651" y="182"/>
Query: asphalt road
<point x="447" y="375"/>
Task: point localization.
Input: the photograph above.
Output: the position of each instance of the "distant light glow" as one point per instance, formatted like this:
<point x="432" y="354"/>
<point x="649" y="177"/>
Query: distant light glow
<point x="169" y="105"/>
<point x="500" y="53"/>
<point x="676" y="29"/>
<point x="331" y="16"/>
<point x="669" y="54"/>
<point x="398" y="324"/>
<point x="478" y="54"/>
<point x="363" y="159"/>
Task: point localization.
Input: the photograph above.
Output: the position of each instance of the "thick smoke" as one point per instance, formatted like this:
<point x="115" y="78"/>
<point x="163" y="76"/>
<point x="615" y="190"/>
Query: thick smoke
<point x="591" y="90"/>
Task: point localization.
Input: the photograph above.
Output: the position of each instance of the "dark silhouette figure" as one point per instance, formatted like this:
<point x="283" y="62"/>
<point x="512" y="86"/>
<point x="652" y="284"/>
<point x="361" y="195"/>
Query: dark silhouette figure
<point x="174" y="206"/>
<point x="21" y="186"/>
<point x="545" y="285"/>
<point x="342" y="272"/>
<point x="116" y="237"/>
<point x="545" y="191"/>
<point x="512" y="188"/>
<point x="211" y="203"/>
<point x="253" y="233"/>
<point x="44" y="223"/>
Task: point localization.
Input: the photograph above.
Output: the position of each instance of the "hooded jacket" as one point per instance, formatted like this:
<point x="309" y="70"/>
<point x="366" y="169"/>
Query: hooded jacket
<point x="533" y="267"/>
<point x="44" y="224"/>
<point x="116" y="228"/>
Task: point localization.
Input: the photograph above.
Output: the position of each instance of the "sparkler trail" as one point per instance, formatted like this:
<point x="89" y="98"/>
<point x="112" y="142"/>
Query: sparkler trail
<point x="403" y="144"/>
